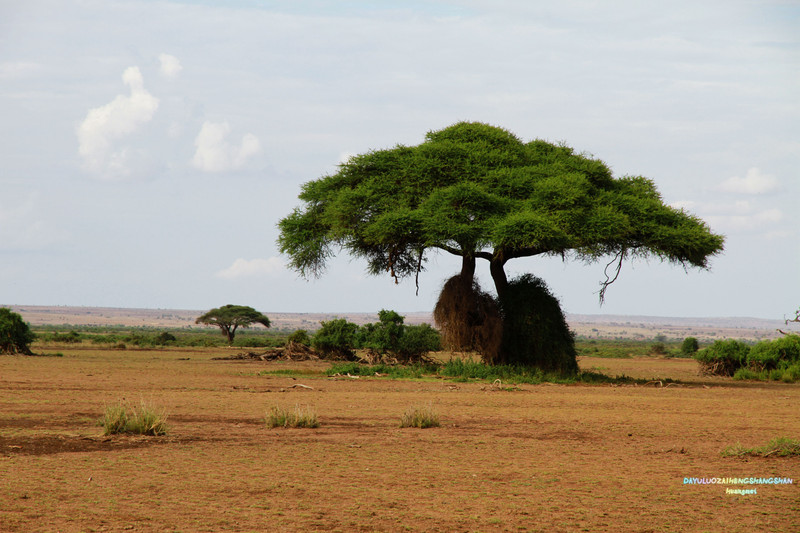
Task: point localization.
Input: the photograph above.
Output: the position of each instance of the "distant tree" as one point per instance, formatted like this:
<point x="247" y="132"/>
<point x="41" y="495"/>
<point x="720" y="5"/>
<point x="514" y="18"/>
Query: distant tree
<point x="229" y="318"/>
<point x="15" y="334"/>
<point x="690" y="346"/>
<point x="480" y="193"/>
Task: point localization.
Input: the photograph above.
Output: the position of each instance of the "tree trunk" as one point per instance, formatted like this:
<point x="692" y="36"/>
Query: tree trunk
<point x="496" y="268"/>
<point x="468" y="266"/>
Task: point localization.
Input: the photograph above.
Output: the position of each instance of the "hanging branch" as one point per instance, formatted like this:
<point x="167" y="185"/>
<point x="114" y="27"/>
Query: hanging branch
<point x="618" y="258"/>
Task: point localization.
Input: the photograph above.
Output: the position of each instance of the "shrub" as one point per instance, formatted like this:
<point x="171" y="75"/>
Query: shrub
<point x="15" y="334"/>
<point x="336" y="338"/>
<point x="723" y="358"/>
<point x="690" y="346"/>
<point x="420" y="417"/>
<point x="417" y="341"/>
<point x="165" y="337"/>
<point x="142" y="420"/>
<point x="299" y="418"/>
<point x="658" y="348"/>
<point x="299" y="336"/>
<point x="769" y="355"/>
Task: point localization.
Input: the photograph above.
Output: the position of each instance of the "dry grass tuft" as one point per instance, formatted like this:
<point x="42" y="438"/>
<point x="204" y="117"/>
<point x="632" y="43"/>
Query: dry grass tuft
<point x="299" y="418"/>
<point x="420" y="417"/>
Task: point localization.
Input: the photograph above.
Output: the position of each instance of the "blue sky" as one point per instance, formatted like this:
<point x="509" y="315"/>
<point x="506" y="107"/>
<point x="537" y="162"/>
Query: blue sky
<point x="148" y="149"/>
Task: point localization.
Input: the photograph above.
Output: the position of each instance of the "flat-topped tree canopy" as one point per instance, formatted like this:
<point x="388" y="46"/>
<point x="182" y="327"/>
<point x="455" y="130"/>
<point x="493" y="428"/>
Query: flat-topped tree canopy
<point x="479" y="192"/>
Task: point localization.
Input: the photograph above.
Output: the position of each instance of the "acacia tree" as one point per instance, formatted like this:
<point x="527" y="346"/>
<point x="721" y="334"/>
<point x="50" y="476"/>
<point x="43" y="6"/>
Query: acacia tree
<point x="229" y="318"/>
<point x="478" y="192"/>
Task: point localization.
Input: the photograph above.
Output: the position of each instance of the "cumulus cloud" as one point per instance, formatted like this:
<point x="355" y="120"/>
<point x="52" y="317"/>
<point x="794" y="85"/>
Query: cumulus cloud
<point x="103" y="129"/>
<point x="252" y="268"/>
<point x="215" y="154"/>
<point x="754" y="182"/>
<point x="170" y="66"/>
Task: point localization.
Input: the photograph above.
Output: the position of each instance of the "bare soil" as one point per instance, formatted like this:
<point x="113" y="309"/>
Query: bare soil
<point x="506" y="458"/>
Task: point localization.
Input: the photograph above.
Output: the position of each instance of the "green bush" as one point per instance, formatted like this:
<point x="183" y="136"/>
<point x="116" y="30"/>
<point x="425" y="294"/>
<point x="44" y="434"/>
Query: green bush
<point x="418" y="341"/>
<point x="336" y="338"/>
<point x="299" y="336"/>
<point x="690" y="346"/>
<point x="15" y="334"/>
<point x="723" y="358"/>
<point x="779" y="353"/>
<point x="165" y="337"/>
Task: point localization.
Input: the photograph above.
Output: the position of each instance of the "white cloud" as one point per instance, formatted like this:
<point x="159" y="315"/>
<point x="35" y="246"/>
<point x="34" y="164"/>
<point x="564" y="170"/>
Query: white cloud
<point x="754" y="182"/>
<point x="252" y="267"/>
<point x="170" y="66"/>
<point x="215" y="154"/>
<point x="104" y="127"/>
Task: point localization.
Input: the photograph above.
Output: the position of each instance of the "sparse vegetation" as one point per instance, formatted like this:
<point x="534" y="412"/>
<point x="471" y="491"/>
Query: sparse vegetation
<point x="778" y="447"/>
<point x="299" y="418"/>
<point x="143" y="419"/>
<point x="420" y="417"/>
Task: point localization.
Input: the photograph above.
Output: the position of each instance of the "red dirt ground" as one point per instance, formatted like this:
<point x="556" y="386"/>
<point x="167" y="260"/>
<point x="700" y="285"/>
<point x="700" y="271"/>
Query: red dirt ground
<point x="524" y="458"/>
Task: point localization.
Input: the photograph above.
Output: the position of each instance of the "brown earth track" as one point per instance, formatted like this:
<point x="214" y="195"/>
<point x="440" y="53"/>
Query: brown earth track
<point x="536" y="458"/>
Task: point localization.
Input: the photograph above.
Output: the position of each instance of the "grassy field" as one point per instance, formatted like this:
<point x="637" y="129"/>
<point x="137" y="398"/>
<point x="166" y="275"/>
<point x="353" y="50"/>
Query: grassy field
<point x="505" y="457"/>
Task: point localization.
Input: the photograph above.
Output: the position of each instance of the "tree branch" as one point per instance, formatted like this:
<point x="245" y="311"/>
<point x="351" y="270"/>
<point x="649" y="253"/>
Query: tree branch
<point x="619" y="257"/>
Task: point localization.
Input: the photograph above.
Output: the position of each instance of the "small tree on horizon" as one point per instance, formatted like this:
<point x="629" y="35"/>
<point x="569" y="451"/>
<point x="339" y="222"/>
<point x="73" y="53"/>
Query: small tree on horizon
<point x="229" y="318"/>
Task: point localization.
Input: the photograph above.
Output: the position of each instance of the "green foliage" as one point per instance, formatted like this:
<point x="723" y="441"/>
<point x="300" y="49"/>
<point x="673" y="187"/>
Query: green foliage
<point x="141" y="420"/>
<point x="165" y="337"/>
<point x="690" y="346"/>
<point x="723" y="358"/>
<point x="391" y="336"/>
<point x="299" y="418"/>
<point x="230" y="317"/>
<point x="299" y="336"/>
<point x="15" y="334"/>
<point x="473" y="186"/>
<point x="412" y="371"/>
<point x="777" y="447"/>
<point x="769" y="355"/>
<point x="535" y="331"/>
<point x="420" y="417"/>
<point x="336" y="338"/>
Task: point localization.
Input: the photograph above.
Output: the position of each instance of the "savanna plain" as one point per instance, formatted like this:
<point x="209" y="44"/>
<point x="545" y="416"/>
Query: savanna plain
<point x="506" y="456"/>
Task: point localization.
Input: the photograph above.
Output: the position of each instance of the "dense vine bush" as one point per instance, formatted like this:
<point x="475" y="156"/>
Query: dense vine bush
<point x="15" y="334"/>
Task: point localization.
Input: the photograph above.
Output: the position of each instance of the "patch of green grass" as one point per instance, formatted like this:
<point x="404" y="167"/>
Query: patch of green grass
<point x="420" y="417"/>
<point x="141" y="420"/>
<point x="465" y="371"/>
<point x="288" y="372"/>
<point x="299" y="418"/>
<point x="780" y="447"/>
<point x="415" y="371"/>
<point x="786" y="373"/>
